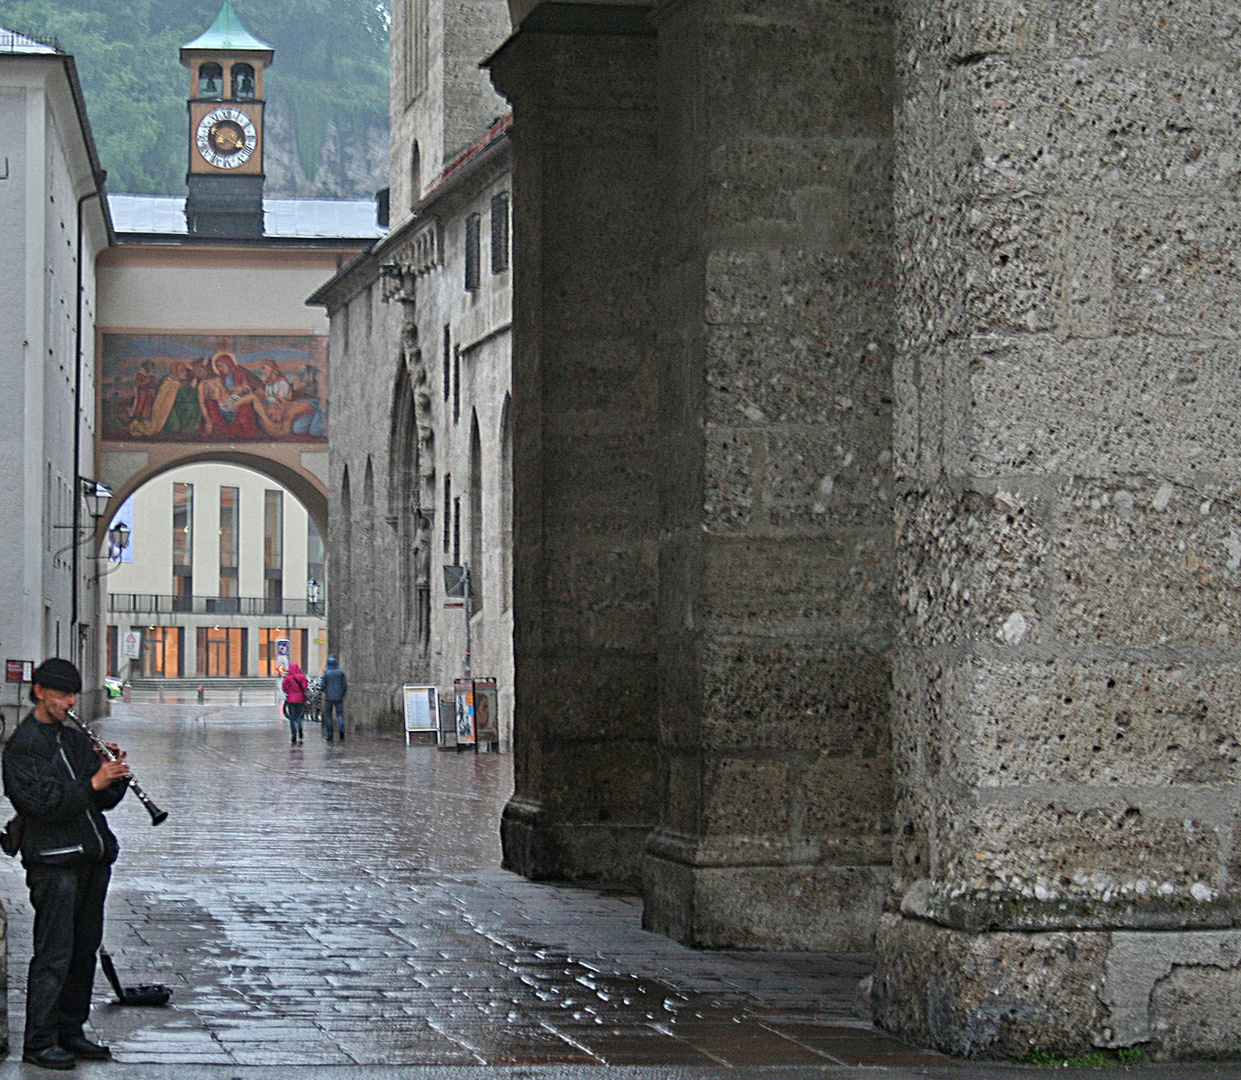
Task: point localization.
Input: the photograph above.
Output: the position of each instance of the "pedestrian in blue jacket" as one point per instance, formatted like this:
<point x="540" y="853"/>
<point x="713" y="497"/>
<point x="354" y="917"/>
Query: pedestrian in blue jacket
<point x="335" y="687"/>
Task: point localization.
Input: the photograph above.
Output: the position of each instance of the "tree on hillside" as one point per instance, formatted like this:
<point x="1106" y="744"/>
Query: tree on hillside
<point x="331" y="65"/>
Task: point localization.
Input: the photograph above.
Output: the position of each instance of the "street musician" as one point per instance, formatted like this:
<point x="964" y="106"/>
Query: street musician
<point x="60" y="787"/>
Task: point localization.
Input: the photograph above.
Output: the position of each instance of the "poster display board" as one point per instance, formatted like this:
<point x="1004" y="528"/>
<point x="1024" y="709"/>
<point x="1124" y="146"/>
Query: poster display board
<point x="463" y="689"/>
<point x="422" y="709"/>
<point x="486" y="711"/>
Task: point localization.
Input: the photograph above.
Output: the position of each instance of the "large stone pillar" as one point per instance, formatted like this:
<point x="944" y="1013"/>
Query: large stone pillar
<point x="775" y="423"/>
<point x="585" y="509"/>
<point x="1069" y="535"/>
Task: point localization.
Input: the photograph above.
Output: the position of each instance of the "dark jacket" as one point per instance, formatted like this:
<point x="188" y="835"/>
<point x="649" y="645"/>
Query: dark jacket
<point x="47" y="773"/>
<point x="334" y="683"/>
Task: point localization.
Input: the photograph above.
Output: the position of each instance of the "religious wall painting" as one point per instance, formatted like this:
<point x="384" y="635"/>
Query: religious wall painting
<point x="213" y="388"/>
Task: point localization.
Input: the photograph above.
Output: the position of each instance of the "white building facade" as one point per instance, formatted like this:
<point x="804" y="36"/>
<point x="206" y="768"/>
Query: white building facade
<point x="223" y="564"/>
<point x="53" y="222"/>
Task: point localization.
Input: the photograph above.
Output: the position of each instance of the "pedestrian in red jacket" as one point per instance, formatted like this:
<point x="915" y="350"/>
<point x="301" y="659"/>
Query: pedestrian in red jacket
<point x="294" y="687"/>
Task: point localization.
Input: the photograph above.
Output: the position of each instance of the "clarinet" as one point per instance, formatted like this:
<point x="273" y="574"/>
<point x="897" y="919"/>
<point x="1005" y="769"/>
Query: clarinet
<point x="157" y="815"/>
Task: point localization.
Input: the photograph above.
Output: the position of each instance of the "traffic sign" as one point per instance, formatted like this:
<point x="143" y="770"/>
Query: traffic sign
<point x="131" y="644"/>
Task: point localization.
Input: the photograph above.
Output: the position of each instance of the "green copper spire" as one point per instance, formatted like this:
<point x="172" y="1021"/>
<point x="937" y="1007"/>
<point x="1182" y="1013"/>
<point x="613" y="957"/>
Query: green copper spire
<point x="228" y="33"/>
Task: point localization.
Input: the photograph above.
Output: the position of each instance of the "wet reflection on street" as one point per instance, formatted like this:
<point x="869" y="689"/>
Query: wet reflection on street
<point x="343" y="904"/>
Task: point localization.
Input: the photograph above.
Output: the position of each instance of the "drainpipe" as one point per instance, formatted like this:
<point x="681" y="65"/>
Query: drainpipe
<point x="100" y="177"/>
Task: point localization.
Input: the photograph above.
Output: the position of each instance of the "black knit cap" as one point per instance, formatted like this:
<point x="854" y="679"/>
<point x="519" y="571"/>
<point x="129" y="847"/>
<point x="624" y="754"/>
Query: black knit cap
<point x="58" y="674"/>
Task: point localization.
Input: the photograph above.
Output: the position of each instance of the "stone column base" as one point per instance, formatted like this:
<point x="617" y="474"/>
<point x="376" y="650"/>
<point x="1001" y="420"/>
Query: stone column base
<point x="763" y="907"/>
<point x="543" y="849"/>
<point x="1175" y="993"/>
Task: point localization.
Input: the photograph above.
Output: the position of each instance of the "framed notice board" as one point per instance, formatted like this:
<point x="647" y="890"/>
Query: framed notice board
<point x="422" y="708"/>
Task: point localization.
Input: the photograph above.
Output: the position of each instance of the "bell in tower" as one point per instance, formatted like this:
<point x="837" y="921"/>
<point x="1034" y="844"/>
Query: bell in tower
<point x="225" y="176"/>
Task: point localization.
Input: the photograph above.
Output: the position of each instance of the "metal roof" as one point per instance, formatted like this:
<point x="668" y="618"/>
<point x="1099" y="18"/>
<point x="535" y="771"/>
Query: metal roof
<point x="228" y="33"/>
<point x="335" y="219"/>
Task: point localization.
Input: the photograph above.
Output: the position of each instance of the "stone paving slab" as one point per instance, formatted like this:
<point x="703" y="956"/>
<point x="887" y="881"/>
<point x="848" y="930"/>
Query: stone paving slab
<point x="339" y="910"/>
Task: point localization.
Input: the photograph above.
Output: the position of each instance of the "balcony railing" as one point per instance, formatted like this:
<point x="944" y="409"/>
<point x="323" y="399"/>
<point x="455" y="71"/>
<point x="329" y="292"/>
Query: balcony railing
<point x="156" y="604"/>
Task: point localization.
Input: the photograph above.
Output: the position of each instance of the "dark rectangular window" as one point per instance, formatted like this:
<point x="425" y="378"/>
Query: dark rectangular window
<point x="456" y="532"/>
<point x="447" y="362"/>
<point x="229" y="504"/>
<point x="456" y="383"/>
<point x="182" y="546"/>
<point x="499" y="233"/>
<point x="273" y="550"/>
<point x="447" y="510"/>
<point x="473" y="252"/>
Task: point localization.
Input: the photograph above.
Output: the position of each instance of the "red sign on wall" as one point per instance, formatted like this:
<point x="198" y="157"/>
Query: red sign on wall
<point x="18" y="670"/>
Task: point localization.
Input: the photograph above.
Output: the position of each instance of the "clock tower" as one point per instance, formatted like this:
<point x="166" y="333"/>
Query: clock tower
<point x="225" y="176"/>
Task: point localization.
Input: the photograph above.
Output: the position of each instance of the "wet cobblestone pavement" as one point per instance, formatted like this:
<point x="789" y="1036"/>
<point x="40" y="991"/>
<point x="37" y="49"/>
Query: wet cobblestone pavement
<point x="341" y="905"/>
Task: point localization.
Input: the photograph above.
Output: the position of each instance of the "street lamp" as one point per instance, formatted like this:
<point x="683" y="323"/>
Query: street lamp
<point x="97" y="496"/>
<point x="118" y="540"/>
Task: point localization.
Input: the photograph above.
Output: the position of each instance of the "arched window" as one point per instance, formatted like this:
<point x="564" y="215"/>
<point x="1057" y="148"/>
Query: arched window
<point x="243" y="82"/>
<point x="211" y="82"/>
<point x="476" y="519"/>
<point x="506" y="507"/>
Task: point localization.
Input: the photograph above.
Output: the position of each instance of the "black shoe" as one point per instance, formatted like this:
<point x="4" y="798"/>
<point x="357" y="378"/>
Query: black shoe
<point x="329" y="738"/>
<point x="51" y="1057"/>
<point x="80" y="1046"/>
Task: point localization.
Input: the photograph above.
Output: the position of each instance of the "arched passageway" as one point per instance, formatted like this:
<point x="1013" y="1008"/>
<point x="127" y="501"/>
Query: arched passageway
<point x="224" y="577"/>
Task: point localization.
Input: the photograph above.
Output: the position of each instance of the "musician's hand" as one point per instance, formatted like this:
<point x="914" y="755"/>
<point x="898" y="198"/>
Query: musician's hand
<point x="108" y="773"/>
<point x="117" y="752"/>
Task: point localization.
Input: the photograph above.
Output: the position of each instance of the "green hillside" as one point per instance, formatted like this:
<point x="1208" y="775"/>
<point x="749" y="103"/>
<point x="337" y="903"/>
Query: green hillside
<point x="331" y="61"/>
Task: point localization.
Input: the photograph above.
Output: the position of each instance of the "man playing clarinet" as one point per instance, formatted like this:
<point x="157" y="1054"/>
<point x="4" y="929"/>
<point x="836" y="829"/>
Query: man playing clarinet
<point x="60" y="787"/>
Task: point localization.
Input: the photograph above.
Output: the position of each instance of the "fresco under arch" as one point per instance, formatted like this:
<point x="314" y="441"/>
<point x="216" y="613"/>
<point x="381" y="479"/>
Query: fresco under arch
<point x="213" y="388"/>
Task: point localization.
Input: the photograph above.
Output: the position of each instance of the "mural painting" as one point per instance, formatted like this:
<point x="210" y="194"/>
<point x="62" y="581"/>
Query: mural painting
<point x="213" y="388"/>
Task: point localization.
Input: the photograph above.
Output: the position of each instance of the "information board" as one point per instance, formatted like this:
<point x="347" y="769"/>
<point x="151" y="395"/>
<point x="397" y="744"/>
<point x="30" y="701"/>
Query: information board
<point x="422" y="710"/>
<point x="131" y="644"/>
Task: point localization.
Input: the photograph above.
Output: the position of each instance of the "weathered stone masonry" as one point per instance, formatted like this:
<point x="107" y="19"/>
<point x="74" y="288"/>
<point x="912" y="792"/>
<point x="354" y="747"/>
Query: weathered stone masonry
<point x="902" y="345"/>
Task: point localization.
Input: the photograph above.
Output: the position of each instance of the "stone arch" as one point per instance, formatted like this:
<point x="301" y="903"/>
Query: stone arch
<point x="308" y="488"/>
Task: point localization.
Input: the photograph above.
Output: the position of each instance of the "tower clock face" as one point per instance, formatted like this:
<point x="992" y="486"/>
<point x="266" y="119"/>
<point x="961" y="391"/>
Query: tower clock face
<point x="226" y="138"/>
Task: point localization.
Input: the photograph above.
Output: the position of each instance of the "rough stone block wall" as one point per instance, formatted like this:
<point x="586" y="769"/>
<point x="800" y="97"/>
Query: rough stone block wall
<point x="584" y="501"/>
<point x="1068" y="542"/>
<point x="775" y="555"/>
<point x="366" y="590"/>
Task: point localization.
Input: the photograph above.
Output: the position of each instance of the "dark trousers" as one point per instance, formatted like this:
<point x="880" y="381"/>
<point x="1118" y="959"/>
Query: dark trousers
<point x="293" y="710"/>
<point x="68" y="929"/>
<point x="337" y="707"/>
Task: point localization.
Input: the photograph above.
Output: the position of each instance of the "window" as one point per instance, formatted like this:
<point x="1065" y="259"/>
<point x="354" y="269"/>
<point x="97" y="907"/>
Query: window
<point x="316" y="562"/>
<point x="161" y="651"/>
<point x="499" y="233"/>
<point x="473" y="254"/>
<point x="229" y="505"/>
<point x="269" y="649"/>
<point x="476" y="519"/>
<point x="415" y="175"/>
<point x="182" y="546"/>
<point x="221" y="652"/>
<point x="211" y="82"/>
<point x="447" y="511"/>
<point x="243" y="82"/>
<point x="273" y="550"/>
<point x="456" y="383"/>
<point x="447" y="362"/>
<point x="415" y="48"/>
<point x="456" y="532"/>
